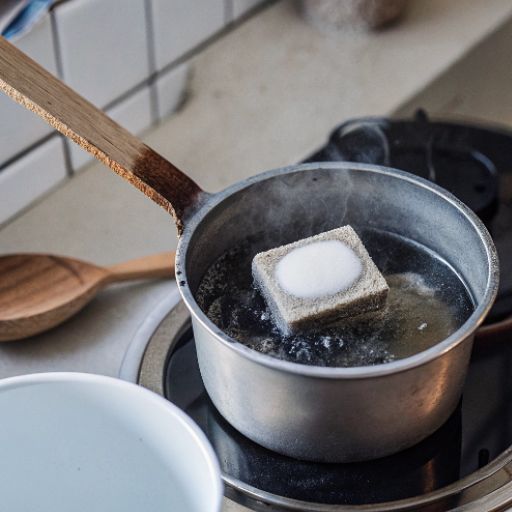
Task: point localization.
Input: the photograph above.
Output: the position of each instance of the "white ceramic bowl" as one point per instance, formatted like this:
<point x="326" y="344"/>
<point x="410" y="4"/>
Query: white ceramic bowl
<point x="72" y="441"/>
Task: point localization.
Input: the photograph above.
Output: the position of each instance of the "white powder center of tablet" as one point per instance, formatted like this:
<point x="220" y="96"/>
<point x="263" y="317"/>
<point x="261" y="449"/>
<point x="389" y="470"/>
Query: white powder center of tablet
<point x="318" y="269"/>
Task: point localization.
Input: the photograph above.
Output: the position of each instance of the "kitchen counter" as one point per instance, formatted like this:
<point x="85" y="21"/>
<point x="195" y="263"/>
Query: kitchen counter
<point x="265" y="95"/>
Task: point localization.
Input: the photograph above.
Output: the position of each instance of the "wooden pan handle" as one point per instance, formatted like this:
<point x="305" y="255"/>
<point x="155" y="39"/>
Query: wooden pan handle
<point x="27" y="83"/>
<point x="156" y="265"/>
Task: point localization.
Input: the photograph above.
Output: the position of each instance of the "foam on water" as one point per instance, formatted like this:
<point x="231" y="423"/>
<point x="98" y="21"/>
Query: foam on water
<point x="426" y="303"/>
<point x="318" y="269"/>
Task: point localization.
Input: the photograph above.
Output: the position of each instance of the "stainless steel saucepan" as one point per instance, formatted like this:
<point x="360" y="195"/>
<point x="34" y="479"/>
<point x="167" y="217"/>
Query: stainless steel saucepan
<point x="308" y="412"/>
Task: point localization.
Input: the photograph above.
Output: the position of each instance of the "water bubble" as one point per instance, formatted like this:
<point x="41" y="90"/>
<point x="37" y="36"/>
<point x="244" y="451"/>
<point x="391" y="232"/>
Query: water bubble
<point x="326" y="341"/>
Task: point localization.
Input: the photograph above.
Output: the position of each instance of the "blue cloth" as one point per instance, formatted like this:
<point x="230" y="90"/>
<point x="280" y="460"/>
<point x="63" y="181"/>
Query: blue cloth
<point x="26" y="19"/>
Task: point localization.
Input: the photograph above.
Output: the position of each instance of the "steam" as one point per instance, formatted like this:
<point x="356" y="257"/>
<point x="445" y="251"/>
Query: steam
<point x="364" y="141"/>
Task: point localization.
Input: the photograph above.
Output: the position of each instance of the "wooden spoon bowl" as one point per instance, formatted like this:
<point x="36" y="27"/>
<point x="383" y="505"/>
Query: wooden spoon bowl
<point x="40" y="291"/>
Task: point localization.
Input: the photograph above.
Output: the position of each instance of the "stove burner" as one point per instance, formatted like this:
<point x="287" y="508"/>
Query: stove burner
<point x="426" y="467"/>
<point x="467" y="464"/>
<point x="439" y="474"/>
<point x="474" y="162"/>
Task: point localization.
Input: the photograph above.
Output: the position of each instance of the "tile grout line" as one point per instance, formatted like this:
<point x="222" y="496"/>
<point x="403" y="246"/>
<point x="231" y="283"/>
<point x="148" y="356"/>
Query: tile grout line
<point x="228" y="12"/>
<point x="60" y="71"/>
<point x="150" y="37"/>
<point x="24" y="152"/>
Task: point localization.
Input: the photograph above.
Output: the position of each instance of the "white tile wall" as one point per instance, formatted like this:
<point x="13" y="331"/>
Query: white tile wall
<point x="29" y="177"/>
<point x="104" y="49"/>
<point x="18" y="127"/>
<point x="180" y="25"/>
<point x="170" y="89"/>
<point x="134" y="113"/>
<point x="241" y="7"/>
<point x="103" y="46"/>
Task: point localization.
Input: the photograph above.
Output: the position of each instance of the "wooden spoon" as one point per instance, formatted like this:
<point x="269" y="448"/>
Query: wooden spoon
<point x="40" y="291"/>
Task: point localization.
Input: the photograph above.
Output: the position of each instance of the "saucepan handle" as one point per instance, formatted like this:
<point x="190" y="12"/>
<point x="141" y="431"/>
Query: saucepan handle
<point x="27" y="83"/>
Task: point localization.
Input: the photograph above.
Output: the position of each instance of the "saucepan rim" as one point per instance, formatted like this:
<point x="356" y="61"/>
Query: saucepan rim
<point x="465" y="330"/>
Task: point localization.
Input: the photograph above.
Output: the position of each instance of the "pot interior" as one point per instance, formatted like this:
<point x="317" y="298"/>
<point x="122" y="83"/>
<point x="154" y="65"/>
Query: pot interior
<point x="287" y="205"/>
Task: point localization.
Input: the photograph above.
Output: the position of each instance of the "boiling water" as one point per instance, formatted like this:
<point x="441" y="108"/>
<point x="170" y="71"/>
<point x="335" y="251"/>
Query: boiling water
<point x="427" y="302"/>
